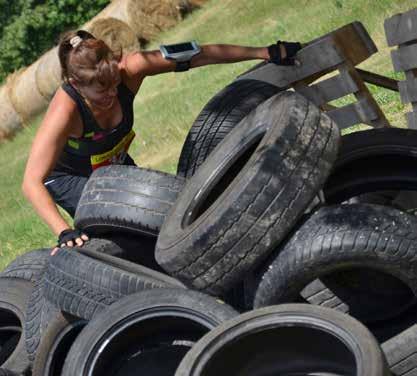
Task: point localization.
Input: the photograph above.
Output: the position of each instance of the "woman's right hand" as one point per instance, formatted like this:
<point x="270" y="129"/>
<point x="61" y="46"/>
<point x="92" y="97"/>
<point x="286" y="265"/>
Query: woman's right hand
<point x="70" y="238"/>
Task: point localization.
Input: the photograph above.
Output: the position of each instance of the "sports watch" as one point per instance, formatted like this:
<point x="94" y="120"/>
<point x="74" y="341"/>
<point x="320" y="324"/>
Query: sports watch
<point x="181" y="53"/>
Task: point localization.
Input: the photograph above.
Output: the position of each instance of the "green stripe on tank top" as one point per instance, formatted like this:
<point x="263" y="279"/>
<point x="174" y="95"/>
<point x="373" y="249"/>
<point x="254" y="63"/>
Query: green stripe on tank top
<point x="74" y="144"/>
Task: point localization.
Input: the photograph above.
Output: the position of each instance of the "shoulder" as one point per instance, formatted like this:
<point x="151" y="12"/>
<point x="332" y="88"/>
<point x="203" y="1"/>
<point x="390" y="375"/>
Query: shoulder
<point x="130" y="64"/>
<point x="131" y="72"/>
<point x="63" y="100"/>
<point x="63" y="113"/>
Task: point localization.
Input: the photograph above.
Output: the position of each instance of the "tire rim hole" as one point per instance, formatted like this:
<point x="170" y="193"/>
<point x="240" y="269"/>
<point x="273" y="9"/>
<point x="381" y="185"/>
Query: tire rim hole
<point x="141" y="346"/>
<point x="366" y="294"/>
<point x="283" y="351"/>
<point x="59" y="350"/>
<point x="10" y="333"/>
<point x="219" y="183"/>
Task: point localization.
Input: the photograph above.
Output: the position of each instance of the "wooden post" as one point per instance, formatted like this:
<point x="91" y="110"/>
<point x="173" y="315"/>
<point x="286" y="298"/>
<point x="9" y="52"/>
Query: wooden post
<point x="401" y="30"/>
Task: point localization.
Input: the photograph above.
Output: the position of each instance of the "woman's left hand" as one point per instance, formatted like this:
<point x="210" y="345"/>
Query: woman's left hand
<point x="70" y="238"/>
<point x="283" y="53"/>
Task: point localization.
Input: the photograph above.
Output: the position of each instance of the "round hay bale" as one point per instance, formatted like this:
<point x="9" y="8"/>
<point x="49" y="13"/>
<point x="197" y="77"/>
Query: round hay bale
<point x="117" y="34"/>
<point x="24" y="93"/>
<point x="157" y="15"/>
<point x="48" y="74"/>
<point x="147" y="17"/>
<point x="10" y="121"/>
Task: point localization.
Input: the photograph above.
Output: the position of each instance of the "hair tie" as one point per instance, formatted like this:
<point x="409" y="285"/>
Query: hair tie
<point x="75" y="41"/>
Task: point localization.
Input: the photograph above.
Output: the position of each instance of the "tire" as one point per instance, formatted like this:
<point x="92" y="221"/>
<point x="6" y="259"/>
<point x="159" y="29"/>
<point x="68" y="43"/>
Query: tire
<point x="55" y="344"/>
<point x="400" y="352"/>
<point x="126" y="198"/>
<point x="40" y="312"/>
<point x="217" y="119"/>
<point x="241" y="203"/>
<point x="79" y="283"/>
<point x="373" y="161"/>
<point x="373" y="166"/>
<point x="339" y="239"/>
<point x="14" y="297"/>
<point x="165" y="322"/>
<point x="28" y="266"/>
<point x="278" y="340"/>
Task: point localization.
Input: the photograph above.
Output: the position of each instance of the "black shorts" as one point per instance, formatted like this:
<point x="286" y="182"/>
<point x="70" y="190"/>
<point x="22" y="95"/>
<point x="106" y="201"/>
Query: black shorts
<point x="66" y="191"/>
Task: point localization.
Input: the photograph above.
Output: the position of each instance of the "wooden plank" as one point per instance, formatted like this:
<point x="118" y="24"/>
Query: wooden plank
<point x="328" y="107"/>
<point x="316" y="59"/>
<point x="355" y="39"/>
<point x="378" y="80"/>
<point x="411" y="119"/>
<point x="363" y="95"/>
<point x="354" y="113"/>
<point x="408" y="90"/>
<point x="328" y="90"/>
<point x="410" y="76"/>
<point x="406" y="94"/>
<point x="319" y="57"/>
<point x="404" y="58"/>
<point x="401" y="28"/>
<point x="356" y="43"/>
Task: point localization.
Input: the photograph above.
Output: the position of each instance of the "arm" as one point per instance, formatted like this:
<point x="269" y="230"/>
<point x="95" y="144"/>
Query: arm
<point x="149" y="63"/>
<point x="47" y="145"/>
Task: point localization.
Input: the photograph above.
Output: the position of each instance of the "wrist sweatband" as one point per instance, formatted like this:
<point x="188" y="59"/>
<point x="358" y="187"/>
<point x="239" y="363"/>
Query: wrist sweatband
<point x="291" y="48"/>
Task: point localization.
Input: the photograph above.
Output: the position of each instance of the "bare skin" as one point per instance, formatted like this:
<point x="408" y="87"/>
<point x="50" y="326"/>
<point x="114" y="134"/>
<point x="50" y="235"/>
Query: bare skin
<point x="62" y="119"/>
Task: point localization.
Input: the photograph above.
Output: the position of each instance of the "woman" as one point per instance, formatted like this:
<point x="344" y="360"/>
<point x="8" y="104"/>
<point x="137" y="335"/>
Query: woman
<point x="89" y="121"/>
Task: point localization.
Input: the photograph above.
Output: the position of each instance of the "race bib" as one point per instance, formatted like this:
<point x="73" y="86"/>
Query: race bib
<point x="116" y="155"/>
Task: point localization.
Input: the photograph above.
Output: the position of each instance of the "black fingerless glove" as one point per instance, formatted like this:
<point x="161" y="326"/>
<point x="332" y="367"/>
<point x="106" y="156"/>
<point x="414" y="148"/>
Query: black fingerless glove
<point x="69" y="234"/>
<point x="291" y="49"/>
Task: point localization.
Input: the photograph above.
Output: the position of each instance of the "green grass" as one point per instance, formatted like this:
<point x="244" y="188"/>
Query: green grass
<point x="167" y="104"/>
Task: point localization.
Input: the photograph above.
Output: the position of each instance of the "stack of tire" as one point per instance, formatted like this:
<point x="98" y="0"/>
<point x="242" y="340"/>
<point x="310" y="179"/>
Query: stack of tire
<point x="265" y="210"/>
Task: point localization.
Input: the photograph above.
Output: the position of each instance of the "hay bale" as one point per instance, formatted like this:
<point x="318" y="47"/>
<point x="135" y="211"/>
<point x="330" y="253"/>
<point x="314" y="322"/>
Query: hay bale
<point x="10" y="121"/>
<point x="117" y="34"/>
<point x="158" y="15"/>
<point x="147" y="17"/>
<point x="48" y="74"/>
<point x="24" y="93"/>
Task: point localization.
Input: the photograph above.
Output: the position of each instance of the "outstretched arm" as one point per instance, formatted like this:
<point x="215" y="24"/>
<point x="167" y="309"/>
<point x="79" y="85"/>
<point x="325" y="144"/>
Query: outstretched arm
<point x="149" y="63"/>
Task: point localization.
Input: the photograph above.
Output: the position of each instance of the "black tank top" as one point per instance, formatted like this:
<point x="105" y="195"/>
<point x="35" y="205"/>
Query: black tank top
<point x="97" y="147"/>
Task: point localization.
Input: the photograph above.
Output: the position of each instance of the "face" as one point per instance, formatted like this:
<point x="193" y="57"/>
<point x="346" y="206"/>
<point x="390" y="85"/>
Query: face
<point x="98" y="96"/>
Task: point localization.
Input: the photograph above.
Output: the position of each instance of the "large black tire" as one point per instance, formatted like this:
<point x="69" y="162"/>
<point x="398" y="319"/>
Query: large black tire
<point x="293" y="339"/>
<point x="373" y="160"/>
<point x="80" y="283"/>
<point x="373" y="166"/>
<point x="14" y="296"/>
<point x="248" y="194"/>
<point x="339" y="239"/>
<point x="126" y="198"/>
<point x="146" y="333"/>
<point x="218" y="118"/>
<point x="55" y="343"/>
